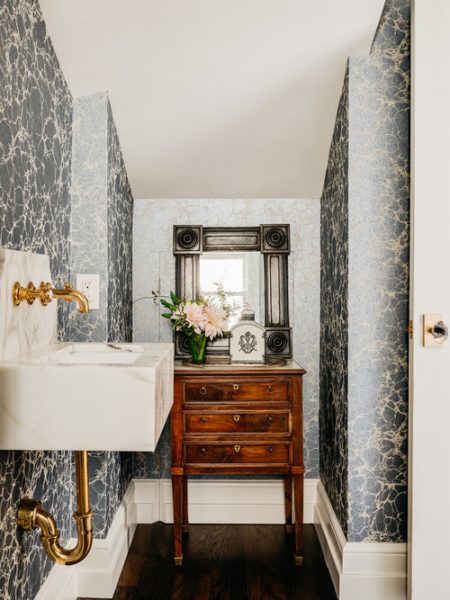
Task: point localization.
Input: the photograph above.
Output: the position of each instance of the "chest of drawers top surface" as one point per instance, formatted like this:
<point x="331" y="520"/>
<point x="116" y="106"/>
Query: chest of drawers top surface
<point x="290" y="367"/>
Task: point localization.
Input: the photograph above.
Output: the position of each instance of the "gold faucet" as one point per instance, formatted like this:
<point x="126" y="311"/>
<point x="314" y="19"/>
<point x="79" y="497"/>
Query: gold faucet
<point x="45" y="294"/>
<point x="69" y="294"/>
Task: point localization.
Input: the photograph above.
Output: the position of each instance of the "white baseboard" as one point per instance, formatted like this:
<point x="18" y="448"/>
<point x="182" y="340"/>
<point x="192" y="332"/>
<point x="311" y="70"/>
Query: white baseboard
<point x="372" y="571"/>
<point x="98" y="573"/>
<point x="221" y="501"/>
<point x="61" y="584"/>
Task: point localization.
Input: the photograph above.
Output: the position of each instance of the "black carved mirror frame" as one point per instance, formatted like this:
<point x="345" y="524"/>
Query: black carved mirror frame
<point x="273" y="241"/>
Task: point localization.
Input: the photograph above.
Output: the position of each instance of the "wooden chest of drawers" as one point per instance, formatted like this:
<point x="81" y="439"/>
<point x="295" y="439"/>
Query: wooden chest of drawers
<point x="231" y="419"/>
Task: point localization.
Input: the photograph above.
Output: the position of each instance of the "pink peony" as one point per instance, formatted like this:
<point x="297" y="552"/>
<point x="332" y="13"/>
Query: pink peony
<point x="215" y="321"/>
<point x="195" y="316"/>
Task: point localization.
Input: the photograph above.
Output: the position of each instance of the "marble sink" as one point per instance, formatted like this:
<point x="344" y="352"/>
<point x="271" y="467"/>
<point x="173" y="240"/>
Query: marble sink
<point x="86" y="397"/>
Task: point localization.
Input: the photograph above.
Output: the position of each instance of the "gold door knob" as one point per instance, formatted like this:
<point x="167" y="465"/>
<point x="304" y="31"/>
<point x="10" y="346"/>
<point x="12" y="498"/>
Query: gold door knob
<point x="203" y="450"/>
<point x="203" y="390"/>
<point x="270" y="449"/>
<point x="236" y="387"/>
<point x="269" y="419"/>
<point x="237" y="448"/>
<point x="203" y="419"/>
<point x="269" y="389"/>
<point x="236" y="418"/>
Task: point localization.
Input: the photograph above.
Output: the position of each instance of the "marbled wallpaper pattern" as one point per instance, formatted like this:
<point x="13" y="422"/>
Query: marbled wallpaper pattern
<point x="377" y="205"/>
<point x="35" y="214"/>
<point x="120" y="241"/>
<point x="88" y="227"/>
<point x="101" y="235"/>
<point x="334" y="317"/>
<point x="35" y="158"/>
<point x="379" y="178"/>
<point x="154" y="269"/>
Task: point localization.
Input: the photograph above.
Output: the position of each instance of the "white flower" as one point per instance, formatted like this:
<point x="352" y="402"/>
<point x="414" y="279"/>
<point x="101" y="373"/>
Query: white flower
<point x="215" y="321"/>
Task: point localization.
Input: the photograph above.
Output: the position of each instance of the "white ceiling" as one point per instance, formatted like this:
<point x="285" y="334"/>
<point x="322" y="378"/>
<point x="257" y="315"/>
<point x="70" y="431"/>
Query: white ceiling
<point x="216" y="98"/>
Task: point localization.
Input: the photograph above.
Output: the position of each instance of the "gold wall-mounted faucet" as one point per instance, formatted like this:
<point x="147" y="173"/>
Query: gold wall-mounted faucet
<point x="45" y="294"/>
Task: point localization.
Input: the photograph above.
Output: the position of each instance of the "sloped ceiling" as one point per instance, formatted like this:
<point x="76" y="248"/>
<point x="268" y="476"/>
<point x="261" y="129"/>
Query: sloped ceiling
<point x="216" y="98"/>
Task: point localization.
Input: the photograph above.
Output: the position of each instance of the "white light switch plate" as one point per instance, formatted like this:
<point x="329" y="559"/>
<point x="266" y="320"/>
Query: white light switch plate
<point x="89" y="284"/>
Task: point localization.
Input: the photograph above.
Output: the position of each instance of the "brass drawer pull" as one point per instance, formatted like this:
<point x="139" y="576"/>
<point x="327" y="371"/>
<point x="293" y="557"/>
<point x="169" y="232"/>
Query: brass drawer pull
<point x="236" y="418"/>
<point x="203" y="419"/>
<point x="269" y="389"/>
<point x="270" y="449"/>
<point x="269" y="419"/>
<point x="203" y="390"/>
<point x="203" y="450"/>
<point x="237" y="448"/>
<point x="235" y="387"/>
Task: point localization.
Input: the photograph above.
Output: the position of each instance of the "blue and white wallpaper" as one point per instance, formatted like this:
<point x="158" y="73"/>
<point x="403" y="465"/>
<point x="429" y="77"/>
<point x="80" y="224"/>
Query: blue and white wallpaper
<point x="101" y="237"/>
<point x="35" y="164"/>
<point x="154" y="268"/>
<point x="36" y="168"/>
<point x="365" y="234"/>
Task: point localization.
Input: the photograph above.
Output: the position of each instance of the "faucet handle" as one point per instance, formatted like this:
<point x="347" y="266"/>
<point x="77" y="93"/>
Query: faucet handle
<point x="45" y="293"/>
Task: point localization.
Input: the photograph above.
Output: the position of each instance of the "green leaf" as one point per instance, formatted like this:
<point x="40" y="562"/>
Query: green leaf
<point x="175" y="299"/>
<point x="168" y="305"/>
<point x="167" y="315"/>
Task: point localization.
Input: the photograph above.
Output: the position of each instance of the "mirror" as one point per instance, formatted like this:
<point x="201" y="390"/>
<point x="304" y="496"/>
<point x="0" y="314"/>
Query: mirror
<point x="248" y="264"/>
<point x="239" y="276"/>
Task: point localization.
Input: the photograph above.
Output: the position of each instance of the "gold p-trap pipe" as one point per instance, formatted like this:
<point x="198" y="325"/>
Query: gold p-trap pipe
<point x="31" y="515"/>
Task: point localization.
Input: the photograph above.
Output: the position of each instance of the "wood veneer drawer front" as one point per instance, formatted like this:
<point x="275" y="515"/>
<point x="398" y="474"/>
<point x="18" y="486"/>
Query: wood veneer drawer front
<point x="236" y="453"/>
<point x="238" y="422"/>
<point x="236" y="390"/>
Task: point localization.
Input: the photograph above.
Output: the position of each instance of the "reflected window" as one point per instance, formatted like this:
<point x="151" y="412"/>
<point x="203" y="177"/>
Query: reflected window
<point x="232" y="278"/>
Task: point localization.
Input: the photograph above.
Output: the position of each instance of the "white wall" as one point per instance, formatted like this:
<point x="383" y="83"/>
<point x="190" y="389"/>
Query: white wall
<point x="216" y="98"/>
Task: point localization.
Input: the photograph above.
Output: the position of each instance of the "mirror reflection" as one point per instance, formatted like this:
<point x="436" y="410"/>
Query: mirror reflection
<point x="234" y="278"/>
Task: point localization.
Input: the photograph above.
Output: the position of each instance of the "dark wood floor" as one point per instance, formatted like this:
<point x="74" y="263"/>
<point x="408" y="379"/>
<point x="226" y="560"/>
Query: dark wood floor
<point x="223" y="562"/>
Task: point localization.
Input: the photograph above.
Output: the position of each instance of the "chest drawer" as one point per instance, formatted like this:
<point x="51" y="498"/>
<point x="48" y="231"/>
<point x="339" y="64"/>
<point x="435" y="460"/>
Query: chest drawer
<point x="236" y="390"/>
<point x="225" y="453"/>
<point x="238" y="422"/>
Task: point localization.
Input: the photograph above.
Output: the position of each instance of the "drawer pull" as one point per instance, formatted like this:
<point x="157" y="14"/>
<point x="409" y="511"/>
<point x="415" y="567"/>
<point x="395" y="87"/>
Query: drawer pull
<point x="269" y="419"/>
<point x="237" y="448"/>
<point x="270" y="449"/>
<point x="203" y="390"/>
<point x="203" y="419"/>
<point x="236" y="418"/>
<point x="235" y="387"/>
<point x="203" y="450"/>
<point x="269" y="389"/>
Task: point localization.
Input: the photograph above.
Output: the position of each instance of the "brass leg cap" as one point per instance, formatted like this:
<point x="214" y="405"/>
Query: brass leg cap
<point x="289" y="528"/>
<point x="185" y="528"/>
<point x="298" y="560"/>
<point x="178" y="560"/>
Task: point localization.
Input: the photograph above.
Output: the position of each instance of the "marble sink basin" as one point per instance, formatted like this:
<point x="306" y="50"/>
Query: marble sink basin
<point x="86" y="397"/>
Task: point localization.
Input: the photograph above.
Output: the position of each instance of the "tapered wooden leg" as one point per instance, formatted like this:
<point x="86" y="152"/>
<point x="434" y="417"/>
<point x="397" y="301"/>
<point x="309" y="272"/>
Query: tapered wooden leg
<point x="185" y="526"/>
<point x="177" y="493"/>
<point x="288" y="502"/>
<point x="298" y="506"/>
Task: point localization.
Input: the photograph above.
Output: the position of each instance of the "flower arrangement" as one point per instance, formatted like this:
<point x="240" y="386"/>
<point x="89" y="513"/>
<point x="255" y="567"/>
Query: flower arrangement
<point x="200" y="320"/>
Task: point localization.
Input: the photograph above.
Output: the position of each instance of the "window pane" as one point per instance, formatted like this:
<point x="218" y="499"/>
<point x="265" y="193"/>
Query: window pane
<point x="227" y="272"/>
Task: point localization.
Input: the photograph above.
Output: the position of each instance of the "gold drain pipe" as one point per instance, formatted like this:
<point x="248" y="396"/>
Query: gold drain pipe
<point x="31" y="515"/>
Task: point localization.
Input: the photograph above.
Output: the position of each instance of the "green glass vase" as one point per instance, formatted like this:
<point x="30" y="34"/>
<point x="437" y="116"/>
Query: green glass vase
<point x="197" y="343"/>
